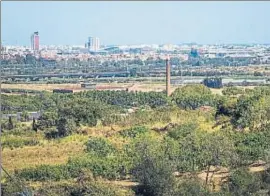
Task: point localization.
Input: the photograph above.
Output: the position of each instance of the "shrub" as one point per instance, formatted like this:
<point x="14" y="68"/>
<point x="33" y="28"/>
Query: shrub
<point x="47" y="120"/>
<point x="100" y="147"/>
<point x="152" y="167"/>
<point x="242" y="182"/>
<point x="182" y="131"/>
<point x="133" y="132"/>
<point x="88" y="187"/>
<point x="232" y="91"/>
<point x="251" y="146"/>
<point x="193" y="96"/>
<point x="191" y="186"/>
<point x="44" y="173"/>
<point x="14" y="187"/>
<point x="107" y="167"/>
<point x="52" y="133"/>
<point x="66" y="127"/>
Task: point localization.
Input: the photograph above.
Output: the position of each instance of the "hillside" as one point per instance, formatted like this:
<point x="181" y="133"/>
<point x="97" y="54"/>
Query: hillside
<point x="194" y="142"/>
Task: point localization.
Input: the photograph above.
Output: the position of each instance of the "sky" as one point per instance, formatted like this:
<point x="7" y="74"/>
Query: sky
<point x="120" y="23"/>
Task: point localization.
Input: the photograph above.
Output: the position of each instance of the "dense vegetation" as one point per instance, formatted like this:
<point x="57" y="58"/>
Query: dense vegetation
<point x="162" y="146"/>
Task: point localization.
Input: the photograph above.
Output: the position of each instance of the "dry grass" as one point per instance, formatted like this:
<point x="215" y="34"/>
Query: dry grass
<point x="138" y="86"/>
<point x="46" y="87"/>
<point x="123" y="183"/>
<point x="50" y="153"/>
<point x="53" y="152"/>
<point x="216" y="91"/>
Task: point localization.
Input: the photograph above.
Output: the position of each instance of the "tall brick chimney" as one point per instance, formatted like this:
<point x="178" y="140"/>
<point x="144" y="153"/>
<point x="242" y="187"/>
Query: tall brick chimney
<point x="168" y="77"/>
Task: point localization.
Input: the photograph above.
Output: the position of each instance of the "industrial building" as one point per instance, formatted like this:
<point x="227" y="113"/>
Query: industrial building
<point x="89" y="86"/>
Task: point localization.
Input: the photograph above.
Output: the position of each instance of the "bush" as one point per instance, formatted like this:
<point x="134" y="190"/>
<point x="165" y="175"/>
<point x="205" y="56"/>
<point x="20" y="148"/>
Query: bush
<point x="66" y="127"/>
<point x="232" y="91"/>
<point x="251" y="146"/>
<point x="213" y="82"/>
<point x="88" y="187"/>
<point x="52" y="133"/>
<point x="152" y="167"/>
<point x="182" y="131"/>
<point x="191" y="186"/>
<point x="193" y="96"/>
<point x="47" y="120"/>
<point x="133" y="132"/>
<point x="100" y="147"/>
<point x="15" y="187"/>
<point x="242" y="182"/>
<point x="129" y="99"/>
<point x="85" y="111"/>
<point x="108" y="167"/>
<point x="45" y="173"/>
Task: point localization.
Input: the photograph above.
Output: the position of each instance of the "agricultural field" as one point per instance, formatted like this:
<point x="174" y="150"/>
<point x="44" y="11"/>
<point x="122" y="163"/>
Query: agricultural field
<point x="195" y="142"/>
<point x="136" y="86"/>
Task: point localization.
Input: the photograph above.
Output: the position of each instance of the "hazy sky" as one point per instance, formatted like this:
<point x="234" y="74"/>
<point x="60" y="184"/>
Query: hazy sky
<point x="136" y="22"/>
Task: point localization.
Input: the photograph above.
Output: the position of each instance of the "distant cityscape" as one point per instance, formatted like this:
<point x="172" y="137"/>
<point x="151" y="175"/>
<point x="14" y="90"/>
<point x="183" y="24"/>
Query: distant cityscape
<point x="135" y="98"/>
<point x="93" y="60"/>
<point x="243" y="54"/>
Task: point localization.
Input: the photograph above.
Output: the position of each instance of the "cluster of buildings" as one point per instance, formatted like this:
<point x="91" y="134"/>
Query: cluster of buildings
<point x="93" y="49"/>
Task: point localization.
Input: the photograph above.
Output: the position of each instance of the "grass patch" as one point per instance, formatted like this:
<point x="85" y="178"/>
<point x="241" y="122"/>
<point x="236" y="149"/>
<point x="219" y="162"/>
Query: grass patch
<point x="17" y="142"/>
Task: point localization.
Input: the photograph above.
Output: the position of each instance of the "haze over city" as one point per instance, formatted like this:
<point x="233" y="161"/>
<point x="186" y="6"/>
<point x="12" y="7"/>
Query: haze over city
<point x="135" y="22"/>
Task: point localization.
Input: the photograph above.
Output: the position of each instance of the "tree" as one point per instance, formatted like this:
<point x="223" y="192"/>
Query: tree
<point x="34" y="125"/>
<point x="47" y="120"/>
<point x="213" y="82"/>
<point x="185" y="135"/>
<point x="153" y="168"/>
<point x="193" y="96"/>
<point x="10" y="123"/>
<point x="86" y="111"/>
<point x="200" y="150"/>
<point x="66" y="127"/>
<point x="215" y="150"/>
<point x="251" y="146"/>
<point x="133" y="72"/>
<point x="252" y="110"/>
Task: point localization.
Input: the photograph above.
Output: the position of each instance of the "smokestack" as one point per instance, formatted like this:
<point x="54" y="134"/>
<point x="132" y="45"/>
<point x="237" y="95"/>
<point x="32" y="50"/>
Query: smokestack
<point x="168" y="77"/>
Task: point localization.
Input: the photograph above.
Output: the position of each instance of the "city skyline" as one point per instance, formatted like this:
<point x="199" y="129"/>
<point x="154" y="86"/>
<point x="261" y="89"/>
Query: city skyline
<point x="121" y="23"/>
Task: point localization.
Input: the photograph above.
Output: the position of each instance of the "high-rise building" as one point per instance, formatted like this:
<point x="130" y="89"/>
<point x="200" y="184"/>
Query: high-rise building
<point x="93" y="43"/>
<point x="35" y="41"/>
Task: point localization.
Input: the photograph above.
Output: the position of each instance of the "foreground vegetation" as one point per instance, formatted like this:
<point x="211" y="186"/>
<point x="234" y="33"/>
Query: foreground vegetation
<point x="133" y="143"/>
